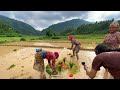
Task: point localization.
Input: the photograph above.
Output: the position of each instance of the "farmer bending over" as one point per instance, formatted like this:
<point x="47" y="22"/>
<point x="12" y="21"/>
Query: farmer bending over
<point x="75" y="46"/>
<point x="39" y="61"/>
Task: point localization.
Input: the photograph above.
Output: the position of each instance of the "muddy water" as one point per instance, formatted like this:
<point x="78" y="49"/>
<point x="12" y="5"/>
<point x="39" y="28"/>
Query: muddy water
<point x="68" y="45"/>
<point x="23" y="59"/>
<point x="8" y="49"/>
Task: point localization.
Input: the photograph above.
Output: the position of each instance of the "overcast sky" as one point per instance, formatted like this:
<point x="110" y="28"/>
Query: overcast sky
<point x="42" y="19"/>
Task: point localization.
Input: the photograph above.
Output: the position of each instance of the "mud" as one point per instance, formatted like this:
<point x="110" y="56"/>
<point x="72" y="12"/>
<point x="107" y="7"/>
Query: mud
<point x="23" y="59"/>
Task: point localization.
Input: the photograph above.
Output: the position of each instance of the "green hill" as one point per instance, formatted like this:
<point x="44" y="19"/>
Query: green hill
<point x="101" y="27"/>
<point x="13" y="27"/>
<point x="96" y="28"/>
<point x="19" y="26"/>
<point x="63" y="26"/>
<point x="7" y="30"/>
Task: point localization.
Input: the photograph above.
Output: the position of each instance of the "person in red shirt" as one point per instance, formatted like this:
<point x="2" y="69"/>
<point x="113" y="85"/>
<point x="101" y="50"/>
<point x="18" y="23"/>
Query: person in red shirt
<point x="51" y="57"/>
<point x="75" y="45"/>
<point x="40" y="56"/>
<point x="106" y="57"/>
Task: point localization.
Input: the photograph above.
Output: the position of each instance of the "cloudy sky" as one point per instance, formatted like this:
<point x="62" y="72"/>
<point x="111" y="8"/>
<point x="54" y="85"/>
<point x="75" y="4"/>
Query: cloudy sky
<point x="42" y="19"/>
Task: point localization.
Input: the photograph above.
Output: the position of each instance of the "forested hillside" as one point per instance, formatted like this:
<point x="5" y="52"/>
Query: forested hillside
<point x="19" y="26"/>
<point x="7" y="30"/>
<point x="59" y="28"/>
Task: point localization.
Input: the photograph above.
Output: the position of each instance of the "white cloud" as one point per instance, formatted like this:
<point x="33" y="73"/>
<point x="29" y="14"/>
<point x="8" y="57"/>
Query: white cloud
<point x="43" y="19"/>
<point x="102" y="15"/>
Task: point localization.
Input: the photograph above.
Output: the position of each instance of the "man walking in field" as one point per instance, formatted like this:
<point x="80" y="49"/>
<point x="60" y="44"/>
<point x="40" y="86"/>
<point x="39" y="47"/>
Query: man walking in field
<point x="75" y="45"/>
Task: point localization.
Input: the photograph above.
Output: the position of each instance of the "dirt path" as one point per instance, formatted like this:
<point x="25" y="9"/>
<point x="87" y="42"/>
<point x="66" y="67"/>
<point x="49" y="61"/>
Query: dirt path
<point x="23" y="58"/>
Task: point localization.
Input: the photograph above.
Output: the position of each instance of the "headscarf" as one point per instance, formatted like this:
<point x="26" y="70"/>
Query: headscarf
<point x="70" y="37"/>
<point x="56" y="54"/>
<point x="38" y="50"/>
<point x="114" y="23"/>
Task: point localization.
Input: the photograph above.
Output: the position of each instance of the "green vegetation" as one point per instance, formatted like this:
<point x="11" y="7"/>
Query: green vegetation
<point x="12" y="28"/>
<point x="62" y="67"/>
<point x="48" y="70"/>
<point x="96" y="38"/>
<point x="64" y="60"/>
<point x="19" y="27"/>
<point x="7" y="31"/>
<point x="63" y="26"/>
<point x="52" y="35"/>
<point x="22" y="39"/>
<point x="86" y="32"/>
<point x="59" y="68"/>
<point x="93" y="28"/>
<point x="78" y="27"/>
<point x="9" y="39"/>
<point x="74" y="69"/>
<point x="96" y="28"/>
<point x="15" y="50"/>
<point x="13" y="65"/>
<point x="90" y="38"/>
<point x="71" y="65"/>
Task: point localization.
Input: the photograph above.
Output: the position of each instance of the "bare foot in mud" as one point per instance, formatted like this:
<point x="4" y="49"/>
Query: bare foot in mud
<point x="69" y="54"/>
<point x="50" y="77"/>
<point x="30" y="77"/>
<point x="72" y="56"/>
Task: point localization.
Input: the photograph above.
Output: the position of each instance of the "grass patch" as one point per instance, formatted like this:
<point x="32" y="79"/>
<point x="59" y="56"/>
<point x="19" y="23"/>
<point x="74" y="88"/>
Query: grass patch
<point x="96" y="38"/>
<point x="15" y="50"/>
<point x="13" y="65"/>
<point x="22" y="39"/>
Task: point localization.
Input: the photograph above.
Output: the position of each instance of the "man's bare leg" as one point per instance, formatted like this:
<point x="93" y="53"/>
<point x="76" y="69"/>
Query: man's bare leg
<point x="42" y="75"/>
<point x="78" y="61"/>
<point x="73" y="52"/>
<point x="77" y="56"/>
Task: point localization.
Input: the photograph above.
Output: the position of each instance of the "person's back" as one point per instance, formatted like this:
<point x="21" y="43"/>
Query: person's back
<point x="110" y="61"/>
<point x="38" y="56"/>
<point x="75" y="42"/>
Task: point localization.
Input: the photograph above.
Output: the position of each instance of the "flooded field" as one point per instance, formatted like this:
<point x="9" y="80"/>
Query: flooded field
<point x="22" y="59"/>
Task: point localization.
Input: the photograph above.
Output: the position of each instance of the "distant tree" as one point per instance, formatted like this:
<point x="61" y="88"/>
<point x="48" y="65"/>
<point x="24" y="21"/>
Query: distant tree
<point x="48" y="33"/>
<point x="113" y="19"/>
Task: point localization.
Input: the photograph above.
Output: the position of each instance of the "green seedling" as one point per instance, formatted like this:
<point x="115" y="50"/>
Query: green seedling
<point x="59" y="68"/>
<point x="71" y="65"/>
<point x="15" y="50"/>
<point x="64" y="60"/>
<point x="13" y="65"/>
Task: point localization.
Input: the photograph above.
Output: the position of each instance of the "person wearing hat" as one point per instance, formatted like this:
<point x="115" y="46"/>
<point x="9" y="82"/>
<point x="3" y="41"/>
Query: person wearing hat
<point x="113" y="38"/>
<point x="109" y="59"/>
<point x="75" y="45"/>
<point x="40" y="56"/>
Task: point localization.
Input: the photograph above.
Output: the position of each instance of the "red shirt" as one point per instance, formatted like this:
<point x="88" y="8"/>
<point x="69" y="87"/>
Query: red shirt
<point x="109" y="60"/>
<point x="50" y="56"/>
